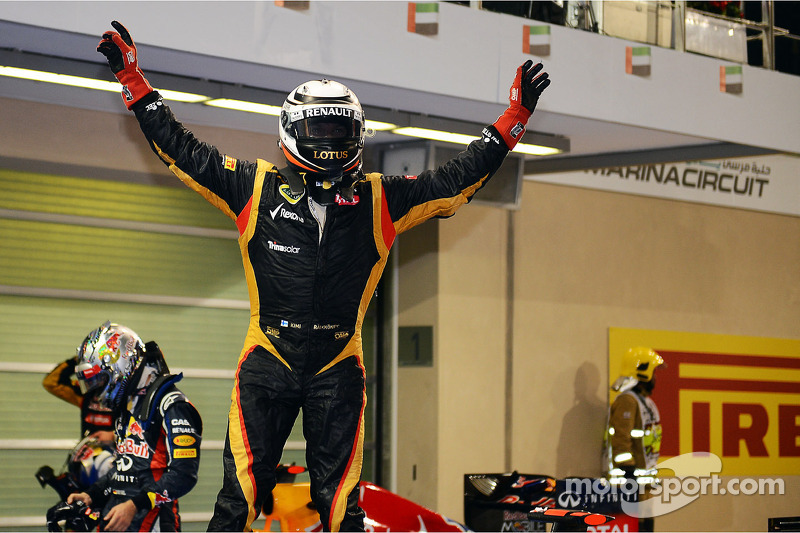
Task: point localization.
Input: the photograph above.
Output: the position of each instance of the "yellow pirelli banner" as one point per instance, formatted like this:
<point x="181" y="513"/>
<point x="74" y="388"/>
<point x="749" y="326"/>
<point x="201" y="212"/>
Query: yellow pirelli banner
<point x="735" y="396"/>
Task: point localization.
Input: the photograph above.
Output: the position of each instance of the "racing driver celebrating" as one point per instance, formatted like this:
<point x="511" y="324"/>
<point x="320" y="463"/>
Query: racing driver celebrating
<point x="315" y="235"/>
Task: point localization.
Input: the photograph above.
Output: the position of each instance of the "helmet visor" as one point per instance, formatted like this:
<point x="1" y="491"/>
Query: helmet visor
<point x="91" y="377"/>
<point x="328" y="128"/>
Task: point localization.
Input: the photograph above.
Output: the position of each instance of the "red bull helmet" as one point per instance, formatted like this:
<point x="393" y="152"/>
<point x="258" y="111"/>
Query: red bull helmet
<point x="109" y="359"/>
<point x="89" y="461"/>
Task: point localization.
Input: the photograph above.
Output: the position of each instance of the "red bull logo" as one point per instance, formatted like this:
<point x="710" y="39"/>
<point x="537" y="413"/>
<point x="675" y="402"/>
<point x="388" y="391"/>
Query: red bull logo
<point x="129" y="447"/>
<point x="158" y="499"/>
<point x="111" y="348"/>
<point x="134" y="429"/>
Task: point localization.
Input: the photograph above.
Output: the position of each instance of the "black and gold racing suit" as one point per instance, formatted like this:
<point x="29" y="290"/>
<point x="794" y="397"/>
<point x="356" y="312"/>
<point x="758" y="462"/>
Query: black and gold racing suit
<point x="94" y="416"/>
<point x="309" y="291"/>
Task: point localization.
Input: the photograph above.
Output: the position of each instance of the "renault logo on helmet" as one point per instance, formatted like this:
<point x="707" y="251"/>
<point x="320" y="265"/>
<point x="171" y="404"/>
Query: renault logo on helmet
<point x="328" y="112"/>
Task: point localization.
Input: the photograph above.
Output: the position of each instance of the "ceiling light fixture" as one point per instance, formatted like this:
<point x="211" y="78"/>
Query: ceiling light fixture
<point x="266" y="109"/>
<point x="377" y="125"/>
<point x="435" y="135"/>
<point x="460" y="138"/>
<point x="254" y="107"/>
<point x="241" y="105"/>
<point x="61" y="79"/>
<point x="90" y="83"/>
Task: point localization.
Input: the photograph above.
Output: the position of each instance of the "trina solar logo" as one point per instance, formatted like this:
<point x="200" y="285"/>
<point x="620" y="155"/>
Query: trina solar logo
<point x="743" y="408"/>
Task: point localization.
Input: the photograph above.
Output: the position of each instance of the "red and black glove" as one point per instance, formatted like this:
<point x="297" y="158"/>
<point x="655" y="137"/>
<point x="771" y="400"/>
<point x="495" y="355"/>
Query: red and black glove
<point x="523" y="96"/>
<point x="120" y="53"/>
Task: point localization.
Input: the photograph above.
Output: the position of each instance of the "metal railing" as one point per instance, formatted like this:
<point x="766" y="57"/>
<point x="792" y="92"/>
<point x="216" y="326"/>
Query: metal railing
<point x="588" y="15"/>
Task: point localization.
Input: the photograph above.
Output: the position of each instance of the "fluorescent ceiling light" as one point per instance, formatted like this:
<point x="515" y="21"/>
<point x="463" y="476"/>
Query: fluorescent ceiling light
<point x="265" y="109"/>
<point x="241" y="105"/>
<point x="253" y="107"/>
<point x="436" y="135"/>
<point x="179" y="96"/>
<point x="377" y="125"/>
<point x="90" y="83"/>
<point x="61" y="79"/>
<point x="536" y="149"/>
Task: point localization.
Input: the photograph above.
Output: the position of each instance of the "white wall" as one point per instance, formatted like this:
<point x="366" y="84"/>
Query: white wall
<point x="473" y="58"/>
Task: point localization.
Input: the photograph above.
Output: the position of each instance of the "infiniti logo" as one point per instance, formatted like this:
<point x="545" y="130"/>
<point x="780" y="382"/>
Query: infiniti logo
<point x="569" y="500"/>
<point x="124" y="463"/>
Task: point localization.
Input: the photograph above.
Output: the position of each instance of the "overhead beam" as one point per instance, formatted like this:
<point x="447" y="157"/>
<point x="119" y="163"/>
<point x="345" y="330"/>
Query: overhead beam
<point x="672" y="154"/>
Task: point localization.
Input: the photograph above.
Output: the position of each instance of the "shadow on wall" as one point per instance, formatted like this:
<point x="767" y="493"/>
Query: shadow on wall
<point x="581" y="440"/>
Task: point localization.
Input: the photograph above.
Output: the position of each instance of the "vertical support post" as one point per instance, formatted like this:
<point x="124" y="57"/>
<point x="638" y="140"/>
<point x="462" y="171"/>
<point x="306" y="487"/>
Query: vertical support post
<point x="768" y="18"/>
<point x="509" y="355"/>
<point x="679" y="25"/>
<point x="769" y="45"/>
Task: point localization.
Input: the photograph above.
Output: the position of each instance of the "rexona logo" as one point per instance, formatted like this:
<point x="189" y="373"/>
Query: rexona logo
<point x="282" y="212"/>
<point x="283" y="248"/>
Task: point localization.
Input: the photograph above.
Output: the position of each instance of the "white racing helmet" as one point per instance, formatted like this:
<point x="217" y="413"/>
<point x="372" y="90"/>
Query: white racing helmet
<point x="110" y="360"/>
<point x="322" y="136"/>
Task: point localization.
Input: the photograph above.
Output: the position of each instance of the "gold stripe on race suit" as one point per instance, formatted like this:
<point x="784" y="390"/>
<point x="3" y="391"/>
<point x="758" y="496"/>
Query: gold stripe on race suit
<point x="212" y="198"/>
<point x="352" y="474"/>
<point x="439" y="207"/>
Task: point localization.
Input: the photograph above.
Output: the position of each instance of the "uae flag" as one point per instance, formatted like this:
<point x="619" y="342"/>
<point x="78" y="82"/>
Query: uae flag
<point x="730" y="79"/>
<point x="536" y="40"/>
<point x="423" y="18"/>
<point x="298" y="5"/>
<point x="637" y="60"/>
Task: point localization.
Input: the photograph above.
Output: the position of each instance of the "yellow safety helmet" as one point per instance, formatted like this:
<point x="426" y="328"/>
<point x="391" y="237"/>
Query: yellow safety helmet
<point x="638" y="364"/>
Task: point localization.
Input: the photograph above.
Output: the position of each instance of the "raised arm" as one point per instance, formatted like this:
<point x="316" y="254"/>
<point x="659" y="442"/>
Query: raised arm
<point x="224" y="181"/>
<point x="440" y="192"/>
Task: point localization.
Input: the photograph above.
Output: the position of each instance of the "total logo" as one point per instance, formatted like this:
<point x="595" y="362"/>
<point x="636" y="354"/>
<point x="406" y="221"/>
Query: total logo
<point x="282" y="212"/>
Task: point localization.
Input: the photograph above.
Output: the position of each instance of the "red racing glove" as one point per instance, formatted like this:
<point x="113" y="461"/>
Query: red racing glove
<point x="522" y="97"/>
<point x="120" y="53"/>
